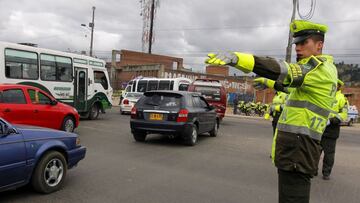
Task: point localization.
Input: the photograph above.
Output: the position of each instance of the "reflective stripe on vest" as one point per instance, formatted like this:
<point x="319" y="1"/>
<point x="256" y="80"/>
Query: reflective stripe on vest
<point x="283" y="72"/>
<point x="299" y="130"/>
<point x="310" y="106"/>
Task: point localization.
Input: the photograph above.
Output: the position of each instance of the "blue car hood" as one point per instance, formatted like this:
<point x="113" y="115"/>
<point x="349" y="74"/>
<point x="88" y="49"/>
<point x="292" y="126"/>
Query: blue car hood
<point x="35" y="131"/>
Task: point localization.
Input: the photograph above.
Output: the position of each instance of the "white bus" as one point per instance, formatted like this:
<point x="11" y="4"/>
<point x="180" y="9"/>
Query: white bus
<point x="78" y="80"/>
<point x="148" y="84"/>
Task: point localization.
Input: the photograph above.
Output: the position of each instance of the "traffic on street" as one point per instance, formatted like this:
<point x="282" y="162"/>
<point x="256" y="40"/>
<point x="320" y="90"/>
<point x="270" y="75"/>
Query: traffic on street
<point x="232" y="167"/>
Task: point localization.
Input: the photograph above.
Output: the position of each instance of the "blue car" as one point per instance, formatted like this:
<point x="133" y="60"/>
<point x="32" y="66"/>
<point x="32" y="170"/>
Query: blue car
<point x="39" y="156"/>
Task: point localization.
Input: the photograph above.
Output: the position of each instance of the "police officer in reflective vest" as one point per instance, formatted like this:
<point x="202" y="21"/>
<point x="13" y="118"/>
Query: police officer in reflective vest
<point x="296" y="147"/>
<point x="278" y="101"/>
<point x="332" y="131"/>
<point x="276" y="107"/>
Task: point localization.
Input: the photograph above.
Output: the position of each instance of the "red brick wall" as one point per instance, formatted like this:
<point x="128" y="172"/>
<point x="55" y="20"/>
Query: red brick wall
<point x="217" y="70"/>
<point x="138" y="58"/>
<point x="353" y="95"/>
<point x="267" y="93"/>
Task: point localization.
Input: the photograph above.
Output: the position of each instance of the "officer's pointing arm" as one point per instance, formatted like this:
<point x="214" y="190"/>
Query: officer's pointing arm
<point x="284" y="74"/>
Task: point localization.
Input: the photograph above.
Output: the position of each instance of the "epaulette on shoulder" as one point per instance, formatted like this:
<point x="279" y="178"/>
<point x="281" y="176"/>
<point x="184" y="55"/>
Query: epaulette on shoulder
<point x="315" y="61"/>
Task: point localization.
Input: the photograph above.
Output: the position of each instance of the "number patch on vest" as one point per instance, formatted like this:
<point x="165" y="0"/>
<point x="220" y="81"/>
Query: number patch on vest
<point x="315" y="120"/>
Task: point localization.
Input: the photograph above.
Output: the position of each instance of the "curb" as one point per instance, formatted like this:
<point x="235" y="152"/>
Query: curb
<point x="246" y="117"/>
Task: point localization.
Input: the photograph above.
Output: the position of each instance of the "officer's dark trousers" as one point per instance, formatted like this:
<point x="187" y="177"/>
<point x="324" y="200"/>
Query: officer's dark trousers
<point x="328" y="143"/>
<point x="275" y="121"/>
<point x="294" y="187"/>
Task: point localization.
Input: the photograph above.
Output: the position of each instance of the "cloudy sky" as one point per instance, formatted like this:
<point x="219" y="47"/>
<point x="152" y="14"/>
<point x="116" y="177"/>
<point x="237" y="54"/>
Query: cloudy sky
<point x="188" y="28"/>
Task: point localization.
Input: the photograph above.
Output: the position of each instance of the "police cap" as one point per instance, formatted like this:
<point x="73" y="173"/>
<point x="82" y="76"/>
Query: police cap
<point x="303" y="29"/>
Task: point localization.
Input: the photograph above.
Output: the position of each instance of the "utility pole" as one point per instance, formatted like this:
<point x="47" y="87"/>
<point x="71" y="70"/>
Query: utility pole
<point x="92" y="31"/>
<point x="289" y="47"/>
<point x="151" y="24"/>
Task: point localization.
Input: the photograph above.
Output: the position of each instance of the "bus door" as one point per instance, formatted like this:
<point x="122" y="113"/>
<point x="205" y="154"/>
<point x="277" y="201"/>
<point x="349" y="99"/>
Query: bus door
<point x="80" y="89"/>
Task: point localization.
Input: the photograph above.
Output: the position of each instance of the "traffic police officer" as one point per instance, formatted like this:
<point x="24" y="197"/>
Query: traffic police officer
<point x="296" y="148"/>
<point x="278" y="100"/>
<point x="276" y="108"/>
<point x="328" y="140"/>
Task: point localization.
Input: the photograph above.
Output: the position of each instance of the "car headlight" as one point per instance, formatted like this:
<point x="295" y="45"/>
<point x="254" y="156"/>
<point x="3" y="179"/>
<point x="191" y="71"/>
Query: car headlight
<point x="78" y="142"/>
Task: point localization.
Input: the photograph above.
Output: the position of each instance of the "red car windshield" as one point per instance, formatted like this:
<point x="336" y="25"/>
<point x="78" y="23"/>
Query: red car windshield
<point x="210" y="93"/>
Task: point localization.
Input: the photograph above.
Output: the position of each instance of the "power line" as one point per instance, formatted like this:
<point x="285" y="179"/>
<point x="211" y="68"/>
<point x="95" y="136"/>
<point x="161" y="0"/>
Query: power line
<point x="310" y="14"/>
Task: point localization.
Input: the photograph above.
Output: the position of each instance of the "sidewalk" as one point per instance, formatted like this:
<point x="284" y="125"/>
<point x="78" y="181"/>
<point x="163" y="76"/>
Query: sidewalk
<point x="243" y="116"/>
<point x="231" y="115"/>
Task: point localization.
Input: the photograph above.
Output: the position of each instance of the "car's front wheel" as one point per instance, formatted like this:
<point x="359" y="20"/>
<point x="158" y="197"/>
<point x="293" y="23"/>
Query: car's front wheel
<point x="139" y="136"/>
<point x="68" y="124"/>
<point x="191" y="136"/>
<point x="50" y="172"/>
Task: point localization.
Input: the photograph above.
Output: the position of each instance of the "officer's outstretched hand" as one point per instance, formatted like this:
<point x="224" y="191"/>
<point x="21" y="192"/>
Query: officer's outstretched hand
<point x="225" y="58"/>
<point x="262" y="83"/>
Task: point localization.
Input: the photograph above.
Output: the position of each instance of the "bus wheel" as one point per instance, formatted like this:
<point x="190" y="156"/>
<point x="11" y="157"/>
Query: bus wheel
<point x="94" y="112"/>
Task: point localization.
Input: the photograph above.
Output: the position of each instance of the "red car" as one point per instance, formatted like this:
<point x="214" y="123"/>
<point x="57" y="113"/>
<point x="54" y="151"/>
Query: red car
<point x="22" y="104"/>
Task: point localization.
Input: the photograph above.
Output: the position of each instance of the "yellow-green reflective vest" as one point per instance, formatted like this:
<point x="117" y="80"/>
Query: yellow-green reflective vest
<point x="278" y="102"/>
<point x="309" y="105"/>
<point x="340" y="108"/>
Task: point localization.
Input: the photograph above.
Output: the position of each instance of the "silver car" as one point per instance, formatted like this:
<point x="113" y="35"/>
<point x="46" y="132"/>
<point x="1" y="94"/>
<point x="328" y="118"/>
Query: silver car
<point x="129" y="101"/>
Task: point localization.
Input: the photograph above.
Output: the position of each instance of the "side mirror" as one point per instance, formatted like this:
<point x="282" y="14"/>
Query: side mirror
<point x="53" y="102"/>
<point x="211" y="107"/>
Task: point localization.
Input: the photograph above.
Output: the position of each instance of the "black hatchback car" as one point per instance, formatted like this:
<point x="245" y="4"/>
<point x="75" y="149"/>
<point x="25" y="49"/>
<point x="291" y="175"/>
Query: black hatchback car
<point x="185" y="114"/>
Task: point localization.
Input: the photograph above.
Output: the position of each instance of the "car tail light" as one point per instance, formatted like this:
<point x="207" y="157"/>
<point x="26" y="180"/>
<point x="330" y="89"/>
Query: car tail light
<point x="126" y="101"/>
<point x="183" y="115"/>
<point x="133" y="112"/>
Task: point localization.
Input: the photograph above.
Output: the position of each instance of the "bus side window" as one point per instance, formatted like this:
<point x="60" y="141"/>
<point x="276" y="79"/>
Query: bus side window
<point x="172" y="85"/>
<point x="164" y="85"/>
<point x="134" y="86"/>
<point x="128" y="89"/>
<point x="100" y="77"/>
<point x="21" y="64"/>
<point x="130" y="86"/>
<point x="142" y="86"/>
<point x="56" y="68"/>
<point x="183" y="87"/>
<point x="152" y="85"/>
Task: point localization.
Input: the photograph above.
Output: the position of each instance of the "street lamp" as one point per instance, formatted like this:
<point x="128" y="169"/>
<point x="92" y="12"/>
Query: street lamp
<point x="91" y="28"/>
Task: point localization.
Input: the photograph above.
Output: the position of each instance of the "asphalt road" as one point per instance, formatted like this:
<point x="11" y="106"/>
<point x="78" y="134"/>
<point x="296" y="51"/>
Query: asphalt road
<point x="233" y="167"/>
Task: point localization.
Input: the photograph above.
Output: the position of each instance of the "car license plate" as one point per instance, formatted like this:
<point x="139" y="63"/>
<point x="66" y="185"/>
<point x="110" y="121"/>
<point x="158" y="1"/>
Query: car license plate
<point x="156" y="117"/>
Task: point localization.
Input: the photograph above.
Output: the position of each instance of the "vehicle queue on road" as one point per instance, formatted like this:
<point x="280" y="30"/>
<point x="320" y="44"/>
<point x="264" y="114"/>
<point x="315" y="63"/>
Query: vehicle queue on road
<point x="43" y="94"/>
